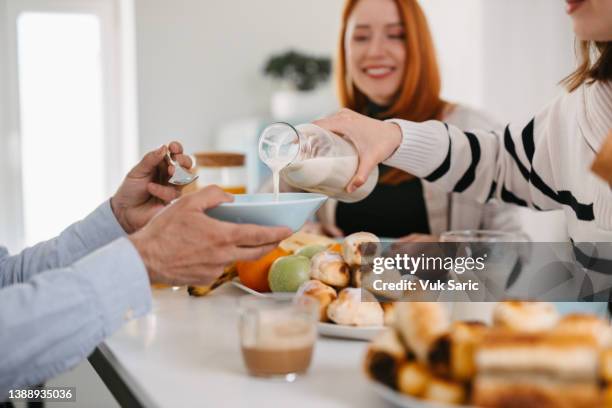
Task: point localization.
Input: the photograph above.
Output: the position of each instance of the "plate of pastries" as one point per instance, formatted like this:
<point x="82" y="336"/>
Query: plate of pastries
<point x="328" y="270"/>
<point x="529" y="357"/>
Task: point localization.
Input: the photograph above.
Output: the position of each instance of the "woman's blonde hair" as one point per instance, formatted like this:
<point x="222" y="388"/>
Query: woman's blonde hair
<point x="595" y="64"/>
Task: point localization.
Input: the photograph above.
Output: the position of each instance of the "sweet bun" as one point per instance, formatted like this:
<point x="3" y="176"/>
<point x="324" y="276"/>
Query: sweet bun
<point x="360" y="246"/>
<point x="445" y="391"/>
<point x="389" y="311"/>
<point x="349" y="309"/>
<point x="330" y="268"/>
<point x="567" y="357"/>
<point x="525" y="316"/>
<point x="586" y="324"/>
<point x="606" y="366"/>
<point x="465" y="337"/>
<point x="412" y="379"/>
<point x="528" y="392"/>
<point x="420" y="324"/>
<point x="384" y="357"/>
<point x="321" y="292"/>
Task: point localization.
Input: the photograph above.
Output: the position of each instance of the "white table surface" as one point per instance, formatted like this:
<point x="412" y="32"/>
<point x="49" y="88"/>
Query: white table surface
<point x="186" y="353"/>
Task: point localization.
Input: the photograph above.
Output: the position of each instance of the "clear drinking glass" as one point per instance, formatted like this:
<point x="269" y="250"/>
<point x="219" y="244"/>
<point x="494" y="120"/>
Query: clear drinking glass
<point x="312" y="159"/>
<point x="501" y="262"/>
<point x="277" y="336"/>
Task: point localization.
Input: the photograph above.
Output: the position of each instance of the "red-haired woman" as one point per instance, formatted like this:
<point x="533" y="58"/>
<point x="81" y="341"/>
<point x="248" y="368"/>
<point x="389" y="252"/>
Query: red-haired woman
<point x="387" y="68"/>
<point x="543" y="164"/>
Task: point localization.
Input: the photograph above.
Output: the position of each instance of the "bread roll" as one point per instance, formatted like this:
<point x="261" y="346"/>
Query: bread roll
<point x="465" y="337"/>
<point x="607" y="397"/>
<point x="525" y="316"/>
<point x="530" y="392"/>
<point x="357" y="248"/>
<point x="444" y="391"/>
<point x="389" y="313"/>
<point x="564" y="357"/>
<point x="412" y="379"/>
<point x="606" y="366"/>
<point x="420" y="324"/>
<point x="330" y="268"/>
<point x="586" y="324"/>
<point x="321" y="292"/>
<point x="348" y="309"/>
<point x="384" y="357"/>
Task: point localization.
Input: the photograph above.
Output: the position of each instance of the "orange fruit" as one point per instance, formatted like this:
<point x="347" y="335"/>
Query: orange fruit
<point x="254" y="274"/>
<point x="337" y="247"/>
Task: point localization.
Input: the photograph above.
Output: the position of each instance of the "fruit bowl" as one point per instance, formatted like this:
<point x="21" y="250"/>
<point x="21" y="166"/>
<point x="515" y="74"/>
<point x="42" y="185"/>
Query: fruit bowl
<point x="291" y="209"/>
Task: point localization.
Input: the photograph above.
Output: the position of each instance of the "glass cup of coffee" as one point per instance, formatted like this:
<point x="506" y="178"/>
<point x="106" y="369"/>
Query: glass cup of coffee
<point x="277" y="336"/>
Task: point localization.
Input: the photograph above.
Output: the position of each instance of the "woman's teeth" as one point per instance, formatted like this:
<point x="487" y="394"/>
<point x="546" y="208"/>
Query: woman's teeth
<point x="378" y="71"/>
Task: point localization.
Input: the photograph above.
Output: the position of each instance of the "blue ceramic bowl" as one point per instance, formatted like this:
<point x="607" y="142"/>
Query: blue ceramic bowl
<point x="291" y="210"/>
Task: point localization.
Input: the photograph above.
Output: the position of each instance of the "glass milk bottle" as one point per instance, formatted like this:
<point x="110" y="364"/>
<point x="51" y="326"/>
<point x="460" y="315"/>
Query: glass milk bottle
<point x="313" y="159"/>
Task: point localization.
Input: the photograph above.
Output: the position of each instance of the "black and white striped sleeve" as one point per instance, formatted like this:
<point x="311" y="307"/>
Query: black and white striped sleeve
<point x="485" y="164"/>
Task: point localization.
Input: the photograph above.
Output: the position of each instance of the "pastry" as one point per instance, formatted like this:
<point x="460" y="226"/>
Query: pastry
<point x="330" y="268"/>
<point x="605" y="364"/>
<point x="525" y="316"/>
<point x="389" y="312"/>
<point x="357" y="248"/>
<point x="536" y="370"/>
<point x="445" y="391"/>
<point x="586" y="324"/>
<point x="420" y="324"/>
<point x="384" y="357"/>
<point x="321" y="292"/>
<point x="412" y="379"/>
<point x="439" y="356"/>
<point x="527" y="392"/>
<point x="302" y="239"/>
<point x="465" y="337"/>
<point x="349" y="309"/>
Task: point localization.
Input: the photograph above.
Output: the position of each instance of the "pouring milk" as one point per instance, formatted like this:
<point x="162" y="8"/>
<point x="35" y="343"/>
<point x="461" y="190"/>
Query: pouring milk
<point x="310" y="158"/>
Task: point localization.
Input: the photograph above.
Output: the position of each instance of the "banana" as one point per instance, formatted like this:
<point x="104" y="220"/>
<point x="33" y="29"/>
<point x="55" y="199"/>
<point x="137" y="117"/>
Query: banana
<point x="228" y="274"/>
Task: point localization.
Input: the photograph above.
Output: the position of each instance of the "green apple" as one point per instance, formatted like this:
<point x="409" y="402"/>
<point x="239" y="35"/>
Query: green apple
<point x="311" y="250"/>
<point x="287" y="273"/>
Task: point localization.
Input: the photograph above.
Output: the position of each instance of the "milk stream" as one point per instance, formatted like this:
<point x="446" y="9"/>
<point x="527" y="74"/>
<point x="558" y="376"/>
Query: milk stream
<point x="276" y="165"/>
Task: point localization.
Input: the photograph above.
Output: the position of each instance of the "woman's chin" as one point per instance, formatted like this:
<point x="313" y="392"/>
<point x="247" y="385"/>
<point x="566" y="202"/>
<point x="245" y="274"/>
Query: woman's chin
<point x="587" y="31"/>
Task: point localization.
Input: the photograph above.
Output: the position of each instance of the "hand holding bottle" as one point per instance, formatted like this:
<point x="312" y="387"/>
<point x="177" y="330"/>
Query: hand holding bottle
<point x="374" y="140"/>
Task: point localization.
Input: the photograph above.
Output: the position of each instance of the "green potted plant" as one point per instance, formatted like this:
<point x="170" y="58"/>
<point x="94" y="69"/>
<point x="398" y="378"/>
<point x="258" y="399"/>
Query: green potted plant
<point x="300" y="77"/>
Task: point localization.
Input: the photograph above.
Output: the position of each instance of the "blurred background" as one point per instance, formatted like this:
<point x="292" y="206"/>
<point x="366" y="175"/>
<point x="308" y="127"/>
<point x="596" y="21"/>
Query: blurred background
<point x="88" y="86"/>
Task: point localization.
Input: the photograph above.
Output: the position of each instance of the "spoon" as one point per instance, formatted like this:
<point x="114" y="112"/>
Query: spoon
<point x="181" y="177"/>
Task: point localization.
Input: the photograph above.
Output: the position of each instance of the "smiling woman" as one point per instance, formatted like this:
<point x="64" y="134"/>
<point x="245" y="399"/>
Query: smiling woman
<point x="387" y="67"/>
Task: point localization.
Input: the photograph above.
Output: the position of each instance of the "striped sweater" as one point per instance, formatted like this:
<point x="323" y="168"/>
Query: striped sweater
<point x="543" y="164"/>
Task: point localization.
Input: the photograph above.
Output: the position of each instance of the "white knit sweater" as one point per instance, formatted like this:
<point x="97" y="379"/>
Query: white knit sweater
<point x="543" y="164"/>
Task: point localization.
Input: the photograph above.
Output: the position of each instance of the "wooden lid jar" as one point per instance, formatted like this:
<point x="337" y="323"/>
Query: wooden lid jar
<point x="227" y="170"/>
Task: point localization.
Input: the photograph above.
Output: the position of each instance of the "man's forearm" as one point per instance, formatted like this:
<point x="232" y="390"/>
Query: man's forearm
<point x="56" y="319"/>
<point x="96" y="230"/>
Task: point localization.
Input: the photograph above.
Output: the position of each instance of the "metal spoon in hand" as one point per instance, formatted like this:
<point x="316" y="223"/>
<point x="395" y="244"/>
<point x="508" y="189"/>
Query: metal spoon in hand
<point x="181" y="177"/>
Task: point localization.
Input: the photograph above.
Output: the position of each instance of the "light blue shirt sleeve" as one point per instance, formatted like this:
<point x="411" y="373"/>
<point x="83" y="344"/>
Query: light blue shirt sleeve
<point x="93" y="281"/>
<point x="55" y="320"/>
<point x="76" y="241"/>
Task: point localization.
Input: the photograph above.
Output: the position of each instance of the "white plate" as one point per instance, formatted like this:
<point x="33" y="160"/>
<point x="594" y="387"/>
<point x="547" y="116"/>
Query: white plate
<point x="349" y="332"/>
<point x="277" y="295"/>
<point x="406" y="401"/>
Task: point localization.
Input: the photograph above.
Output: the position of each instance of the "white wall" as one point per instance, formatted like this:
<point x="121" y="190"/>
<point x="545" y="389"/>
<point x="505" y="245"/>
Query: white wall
<point x="200" y="61"/>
